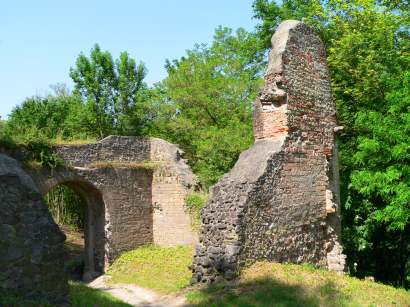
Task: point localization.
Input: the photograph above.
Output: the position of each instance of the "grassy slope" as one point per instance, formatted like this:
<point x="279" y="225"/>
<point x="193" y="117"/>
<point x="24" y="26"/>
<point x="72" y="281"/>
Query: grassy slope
<point x="273" y="284"/>
<point x="263" y="284"/>
<point x="162" y="269"/>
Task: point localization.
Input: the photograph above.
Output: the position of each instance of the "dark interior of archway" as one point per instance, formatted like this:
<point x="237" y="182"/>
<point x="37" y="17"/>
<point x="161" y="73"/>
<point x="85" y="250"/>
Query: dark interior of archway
<point x="68" y="210"/>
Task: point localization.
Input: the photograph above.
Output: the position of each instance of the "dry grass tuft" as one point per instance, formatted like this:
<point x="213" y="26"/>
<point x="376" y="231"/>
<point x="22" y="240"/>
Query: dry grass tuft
<point x="32" y="164"/>
<point x="74" y="142"/>
<point x="124" y="164"/>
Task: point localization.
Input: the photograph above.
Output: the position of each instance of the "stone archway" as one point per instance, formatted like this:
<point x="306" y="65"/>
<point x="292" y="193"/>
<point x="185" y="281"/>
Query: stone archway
<point x="135" y="190"/>
<point x="94" y="223"/>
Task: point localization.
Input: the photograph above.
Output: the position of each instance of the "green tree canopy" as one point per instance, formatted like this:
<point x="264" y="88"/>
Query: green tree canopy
<point x="205" y="102"/>
<point x="46" y="116"/>
<point x="111" y="90"/>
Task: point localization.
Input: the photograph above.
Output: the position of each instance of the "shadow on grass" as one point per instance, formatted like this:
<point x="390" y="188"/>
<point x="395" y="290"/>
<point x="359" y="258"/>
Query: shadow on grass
<point x="266" y="292"/>
<point x="73" y="253"/>
<point x="9" y="299"/>
<point x="80" y="296"/>
<point x="73" y="249"/>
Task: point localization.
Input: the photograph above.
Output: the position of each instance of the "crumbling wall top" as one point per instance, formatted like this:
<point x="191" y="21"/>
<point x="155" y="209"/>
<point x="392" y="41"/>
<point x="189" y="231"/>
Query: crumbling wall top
<point x="279" y="40"/>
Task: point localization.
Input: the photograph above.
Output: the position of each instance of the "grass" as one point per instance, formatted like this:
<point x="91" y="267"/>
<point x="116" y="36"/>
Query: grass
<point x="272" y="284"/>
<point x="162" y="269"/>
<point x="127" y="164"/>
<point x="263" y="284"/>
<point x="80" y="296"/>
<point x="12" y="300"/>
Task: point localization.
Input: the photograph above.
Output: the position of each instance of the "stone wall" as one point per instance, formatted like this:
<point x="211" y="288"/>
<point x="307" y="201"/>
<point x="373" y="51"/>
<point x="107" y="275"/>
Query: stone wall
<point x="135" y="188"/>
<point x="280" y="201"/>
<point x="172" y="181"/>
<point x="135" y="191"/>
<point x="31" y="245"/>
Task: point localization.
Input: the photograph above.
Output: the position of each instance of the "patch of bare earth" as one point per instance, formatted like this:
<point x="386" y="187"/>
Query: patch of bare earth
<point x="137" y="296"/>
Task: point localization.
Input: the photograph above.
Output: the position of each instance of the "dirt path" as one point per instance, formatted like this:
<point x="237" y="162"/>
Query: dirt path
<point x="135" y="295"/>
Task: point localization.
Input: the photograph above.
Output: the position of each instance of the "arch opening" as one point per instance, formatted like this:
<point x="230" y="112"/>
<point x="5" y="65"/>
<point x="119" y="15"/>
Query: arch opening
<point x="78" y="208"/>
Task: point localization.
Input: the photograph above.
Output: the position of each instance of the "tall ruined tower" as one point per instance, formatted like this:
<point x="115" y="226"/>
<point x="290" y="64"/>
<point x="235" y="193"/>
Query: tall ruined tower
<point x="280" y="202"/>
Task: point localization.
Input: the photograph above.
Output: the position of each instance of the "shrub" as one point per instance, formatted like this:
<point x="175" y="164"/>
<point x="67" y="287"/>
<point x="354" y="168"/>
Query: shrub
<point x="194" y="203"/>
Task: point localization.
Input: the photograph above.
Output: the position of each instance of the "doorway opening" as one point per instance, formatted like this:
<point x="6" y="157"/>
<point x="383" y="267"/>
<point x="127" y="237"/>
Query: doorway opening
<point x="78" y="209"/>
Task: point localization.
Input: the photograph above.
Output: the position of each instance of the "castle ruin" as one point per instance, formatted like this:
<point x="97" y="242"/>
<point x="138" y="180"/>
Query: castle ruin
<point x="280" y="202"/>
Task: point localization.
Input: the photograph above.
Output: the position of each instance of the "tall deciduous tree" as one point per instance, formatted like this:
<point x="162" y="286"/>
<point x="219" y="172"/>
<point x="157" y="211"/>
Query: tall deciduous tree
<point x="111" y="90"/>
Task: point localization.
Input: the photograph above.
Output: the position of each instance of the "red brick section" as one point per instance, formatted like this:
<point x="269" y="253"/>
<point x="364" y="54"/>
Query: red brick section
<point x="271" y="125"/>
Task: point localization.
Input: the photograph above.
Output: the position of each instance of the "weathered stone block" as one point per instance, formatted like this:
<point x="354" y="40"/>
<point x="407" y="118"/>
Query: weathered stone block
<point x="31" y="245"/>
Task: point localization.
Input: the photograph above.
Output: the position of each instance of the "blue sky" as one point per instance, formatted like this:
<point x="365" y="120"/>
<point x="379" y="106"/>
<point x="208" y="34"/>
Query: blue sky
<point x="40" y="40"/>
